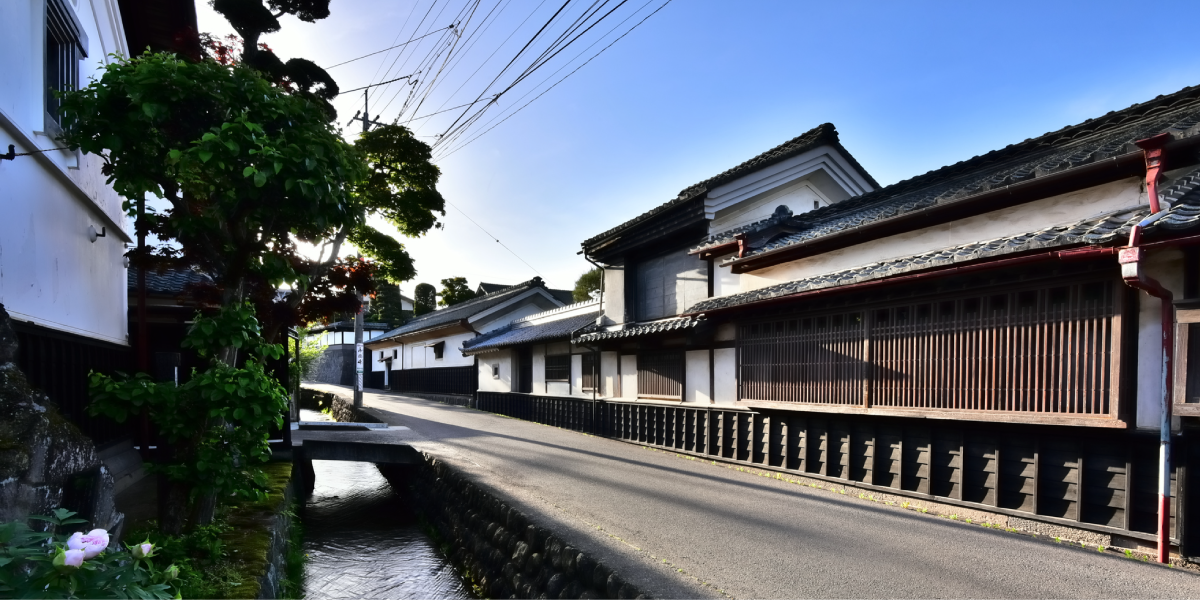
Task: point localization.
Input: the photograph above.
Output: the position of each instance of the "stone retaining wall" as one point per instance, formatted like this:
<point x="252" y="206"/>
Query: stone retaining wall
<point x="502" y="551"/>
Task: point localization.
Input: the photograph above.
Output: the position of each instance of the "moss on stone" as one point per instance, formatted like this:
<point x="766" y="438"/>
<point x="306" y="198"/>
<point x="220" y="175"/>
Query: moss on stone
<point x="248" y="542"/>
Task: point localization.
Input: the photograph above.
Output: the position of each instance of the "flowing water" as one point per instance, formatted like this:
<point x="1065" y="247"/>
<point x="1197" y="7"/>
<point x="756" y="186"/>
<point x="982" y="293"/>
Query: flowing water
<point x="363" y="540"/>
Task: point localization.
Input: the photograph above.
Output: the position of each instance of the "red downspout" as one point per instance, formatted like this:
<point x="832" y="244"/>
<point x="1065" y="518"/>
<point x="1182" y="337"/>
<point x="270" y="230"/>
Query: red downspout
<point x="1130" y="259"/>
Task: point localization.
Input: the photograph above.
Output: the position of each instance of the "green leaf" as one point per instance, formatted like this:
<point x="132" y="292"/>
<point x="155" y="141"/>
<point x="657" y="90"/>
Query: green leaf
<point x="174" y="154"/>
<point x="204" y="155"/>
<point x="248" y="171"/>
<point x="260" y="178"/>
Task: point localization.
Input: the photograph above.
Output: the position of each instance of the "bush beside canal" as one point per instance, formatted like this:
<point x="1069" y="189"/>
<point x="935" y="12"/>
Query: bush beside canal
<point x="251" y="550"/>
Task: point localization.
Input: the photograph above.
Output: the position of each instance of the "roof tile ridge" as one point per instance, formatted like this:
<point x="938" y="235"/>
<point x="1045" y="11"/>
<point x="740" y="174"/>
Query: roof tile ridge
<point x="983" y="160"/>
<point x="536" y="281"/>
<point x="560" y="309"/>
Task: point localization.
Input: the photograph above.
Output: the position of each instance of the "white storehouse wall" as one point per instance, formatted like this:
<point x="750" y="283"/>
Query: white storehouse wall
<point x="50" y="272"/>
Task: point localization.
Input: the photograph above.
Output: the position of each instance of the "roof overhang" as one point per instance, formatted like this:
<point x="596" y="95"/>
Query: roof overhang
<point x="455" y="327"/>
<point x="822" y="159"/>
<point x="1127" y="165"/>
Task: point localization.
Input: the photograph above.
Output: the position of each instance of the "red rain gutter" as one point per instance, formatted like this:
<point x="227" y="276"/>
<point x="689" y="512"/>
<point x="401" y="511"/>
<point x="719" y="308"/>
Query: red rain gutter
<point x="1072" y="254"/>
<point x="1130" y="259"/>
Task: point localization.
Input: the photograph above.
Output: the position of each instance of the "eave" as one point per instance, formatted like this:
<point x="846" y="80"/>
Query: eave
<point x="1127" y="165"/>
<point x="460" y="326"/>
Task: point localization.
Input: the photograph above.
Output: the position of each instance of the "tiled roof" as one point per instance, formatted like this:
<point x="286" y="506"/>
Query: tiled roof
<point x="463" y="310"/>
<point x="512" y="335"/>
<point x="170" y="281"/>
<point x="1092" y="141"/>
<point x="564" y="296"/>
<point x="347" y="326"/>
<point x="640" y="329"/>
<point x="824" y="134"/>
<point x="1109" y="229"/>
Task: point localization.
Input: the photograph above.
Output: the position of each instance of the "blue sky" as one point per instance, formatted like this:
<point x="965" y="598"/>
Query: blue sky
<point x="704" y="85"/>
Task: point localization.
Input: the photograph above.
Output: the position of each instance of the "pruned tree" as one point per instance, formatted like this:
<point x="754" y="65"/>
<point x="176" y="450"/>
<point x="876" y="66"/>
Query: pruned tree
<point x="254" y="18"/>
<point x="424" y="299"/>
<point x="454" y="291"/>
<point x="588" y="285"/>
<point x="388" y="306"/>
<point x="249" y="171"/>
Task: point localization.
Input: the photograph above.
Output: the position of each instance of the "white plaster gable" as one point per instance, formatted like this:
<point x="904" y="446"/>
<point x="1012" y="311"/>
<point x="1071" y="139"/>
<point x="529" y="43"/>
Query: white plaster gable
<point x="829" y="175"/>
<point x="530" y="302"/>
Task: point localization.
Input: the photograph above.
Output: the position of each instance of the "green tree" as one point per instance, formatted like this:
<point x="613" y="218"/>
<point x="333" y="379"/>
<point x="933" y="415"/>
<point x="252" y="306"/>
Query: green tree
<point x="387" y="306"/>
<point x="216" y="424"/>
<point x="249" y="170"/>
<point x="424" y="299"/>
<point x="454" y="291"/>
<point x="588" y="285"/>
<point x="253" y="18"/>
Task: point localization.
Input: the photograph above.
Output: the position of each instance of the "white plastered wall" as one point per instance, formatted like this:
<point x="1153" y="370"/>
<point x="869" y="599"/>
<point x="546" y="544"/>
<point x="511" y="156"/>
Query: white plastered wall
<point x="614" y="295"/>
<point x="1166" y="267"/>
<point x="50" y="273"/>
<point x="696" y="377"/>
<point x="1032" y="216"/>
<point x="609" y="374"/>
<point x="629" y="376"/>
<point x="725" y="375"/>
<point x="489" y="383"/>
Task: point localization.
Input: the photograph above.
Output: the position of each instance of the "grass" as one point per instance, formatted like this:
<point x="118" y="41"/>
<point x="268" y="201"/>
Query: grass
<point x="226" y="558"/>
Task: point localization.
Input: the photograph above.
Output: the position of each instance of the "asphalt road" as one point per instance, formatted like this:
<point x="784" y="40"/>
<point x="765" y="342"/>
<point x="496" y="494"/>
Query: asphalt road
<point x="688" y="528"/>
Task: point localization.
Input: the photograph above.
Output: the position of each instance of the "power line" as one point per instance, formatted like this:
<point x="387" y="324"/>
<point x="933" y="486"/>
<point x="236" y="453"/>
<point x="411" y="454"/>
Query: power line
<point x="439" y="112"/>
<point x="464" y="144"/>
<point x="510" y="250"/>
<point x="538" y="63"/>
<point x="390" y="48"/>
<point x="359" y="89"/>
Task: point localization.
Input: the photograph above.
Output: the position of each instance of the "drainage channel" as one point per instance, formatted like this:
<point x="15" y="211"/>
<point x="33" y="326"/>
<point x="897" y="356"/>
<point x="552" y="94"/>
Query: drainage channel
<point x="363" y="540"/>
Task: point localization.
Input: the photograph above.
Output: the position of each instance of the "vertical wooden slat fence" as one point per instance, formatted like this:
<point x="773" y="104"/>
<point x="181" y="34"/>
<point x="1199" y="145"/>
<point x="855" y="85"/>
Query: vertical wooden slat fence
<point x="1020" y="470"/>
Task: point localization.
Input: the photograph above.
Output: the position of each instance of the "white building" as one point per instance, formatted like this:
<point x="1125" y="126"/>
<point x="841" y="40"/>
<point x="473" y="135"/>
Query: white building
<point x="968" y="336"/>
<point x="424" y="354"/>
<point x="58" y="275"/>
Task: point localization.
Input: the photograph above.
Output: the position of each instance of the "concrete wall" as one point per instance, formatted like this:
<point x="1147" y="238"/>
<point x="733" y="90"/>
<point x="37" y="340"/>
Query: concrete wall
<point x="50" y="272"/>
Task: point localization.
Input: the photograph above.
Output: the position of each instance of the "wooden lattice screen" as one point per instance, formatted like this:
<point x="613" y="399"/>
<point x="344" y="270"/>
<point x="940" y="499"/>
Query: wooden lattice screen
<point x="660" y="375"/>
<point x="558" y="367"/>
<point x="1042" y="351"/>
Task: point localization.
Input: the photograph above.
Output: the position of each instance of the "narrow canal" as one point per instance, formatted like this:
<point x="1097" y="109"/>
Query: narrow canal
<point x="363" y="540"/>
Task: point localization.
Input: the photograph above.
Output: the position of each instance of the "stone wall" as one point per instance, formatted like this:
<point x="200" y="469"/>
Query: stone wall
<point x="45" y="461"/>
<point x="334" y="365"/>
<point x="501" y="550"/>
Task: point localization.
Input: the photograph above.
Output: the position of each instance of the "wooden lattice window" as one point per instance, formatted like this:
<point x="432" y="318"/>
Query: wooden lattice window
<point x="66" y="45"/>
<point x="660" y="375"/>
<point x="558" y="367"/>
<point x="1049" y="351"/>
<point x="591" y="370"/>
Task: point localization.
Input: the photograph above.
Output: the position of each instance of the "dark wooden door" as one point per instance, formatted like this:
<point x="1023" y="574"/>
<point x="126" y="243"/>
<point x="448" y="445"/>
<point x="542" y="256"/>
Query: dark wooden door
<point x="525" y="370"/>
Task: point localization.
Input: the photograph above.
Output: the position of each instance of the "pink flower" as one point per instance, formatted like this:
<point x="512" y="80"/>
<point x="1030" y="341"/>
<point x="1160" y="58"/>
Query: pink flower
<point x="73" y="558"/>
<point x="91" y="543"/>
<point x="67" y="560"/>
<point x="144" y="550"/>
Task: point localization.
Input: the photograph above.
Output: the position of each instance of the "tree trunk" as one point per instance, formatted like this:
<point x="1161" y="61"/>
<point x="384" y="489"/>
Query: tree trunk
<point x="172" y="506"/>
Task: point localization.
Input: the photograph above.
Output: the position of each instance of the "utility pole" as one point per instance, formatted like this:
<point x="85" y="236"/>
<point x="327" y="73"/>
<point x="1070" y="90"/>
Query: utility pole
<point x="365" y="115"/>
<point x="363" y="300"/>
<point x="358" y="351"/>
